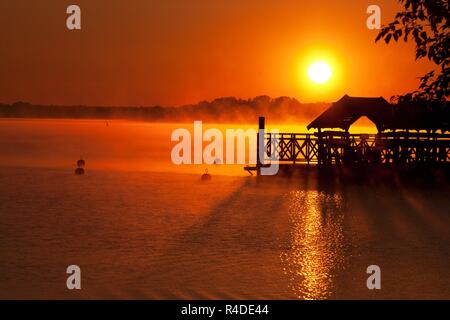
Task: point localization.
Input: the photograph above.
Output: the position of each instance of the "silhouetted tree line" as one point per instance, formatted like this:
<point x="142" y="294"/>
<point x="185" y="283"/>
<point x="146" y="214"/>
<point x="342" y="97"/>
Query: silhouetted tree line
<point x="228" y="109"/>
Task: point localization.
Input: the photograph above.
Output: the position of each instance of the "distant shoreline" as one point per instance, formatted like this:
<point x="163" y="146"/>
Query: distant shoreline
<point x="222" y="110"/>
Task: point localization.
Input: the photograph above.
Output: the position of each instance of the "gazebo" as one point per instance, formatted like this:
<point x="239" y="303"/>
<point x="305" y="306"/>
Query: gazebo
<point x="405" y="116"/>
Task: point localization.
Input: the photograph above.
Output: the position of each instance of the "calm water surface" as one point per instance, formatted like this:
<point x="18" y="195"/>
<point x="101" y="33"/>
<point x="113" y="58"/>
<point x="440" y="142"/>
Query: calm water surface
<point x="138" y="228"/>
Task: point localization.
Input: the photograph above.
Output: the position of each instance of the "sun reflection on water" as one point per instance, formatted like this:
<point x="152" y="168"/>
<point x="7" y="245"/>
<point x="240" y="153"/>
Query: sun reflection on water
<point x="316" y="250"/>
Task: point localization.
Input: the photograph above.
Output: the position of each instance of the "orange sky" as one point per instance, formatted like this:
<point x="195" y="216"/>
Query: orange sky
<point x="173" y="52"/>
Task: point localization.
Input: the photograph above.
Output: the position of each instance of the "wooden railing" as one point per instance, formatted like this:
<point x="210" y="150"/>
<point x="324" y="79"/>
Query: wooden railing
<point x="339" y="147"/>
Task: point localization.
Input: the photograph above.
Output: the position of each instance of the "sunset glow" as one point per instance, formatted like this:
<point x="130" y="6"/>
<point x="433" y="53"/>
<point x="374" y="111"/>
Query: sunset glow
<point x="320" y="72"/>
<point x="164" y="55"/>
<point x="224" y="159"/>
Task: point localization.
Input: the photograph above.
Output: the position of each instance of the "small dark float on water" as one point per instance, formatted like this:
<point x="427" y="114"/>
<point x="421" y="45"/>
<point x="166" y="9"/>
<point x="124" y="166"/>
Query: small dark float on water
<point x="206" y="176"/>
<point x="80" y="167"/>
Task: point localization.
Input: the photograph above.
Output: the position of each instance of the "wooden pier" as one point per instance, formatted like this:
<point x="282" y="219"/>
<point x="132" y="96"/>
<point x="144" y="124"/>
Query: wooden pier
<point x="396" y="143"/>
<point x="335" y="148"/>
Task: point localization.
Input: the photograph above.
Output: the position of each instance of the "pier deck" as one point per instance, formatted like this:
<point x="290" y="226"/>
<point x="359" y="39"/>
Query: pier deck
<point x="331" y="148"/>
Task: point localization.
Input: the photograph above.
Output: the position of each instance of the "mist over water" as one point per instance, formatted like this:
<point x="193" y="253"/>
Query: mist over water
<point x="141" y="227"/>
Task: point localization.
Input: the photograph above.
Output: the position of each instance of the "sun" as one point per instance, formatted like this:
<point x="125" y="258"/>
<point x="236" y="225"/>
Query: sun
<point x="320" y="72"/>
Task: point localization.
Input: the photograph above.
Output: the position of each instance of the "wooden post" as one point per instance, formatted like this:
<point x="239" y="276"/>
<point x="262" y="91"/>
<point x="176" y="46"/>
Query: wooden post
<point x="261" y="126"/>
<point x="320" y="149"/>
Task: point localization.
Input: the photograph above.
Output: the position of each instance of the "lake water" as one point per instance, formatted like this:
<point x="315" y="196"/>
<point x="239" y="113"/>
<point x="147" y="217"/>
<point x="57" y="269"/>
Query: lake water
<point x="142" y="228"/>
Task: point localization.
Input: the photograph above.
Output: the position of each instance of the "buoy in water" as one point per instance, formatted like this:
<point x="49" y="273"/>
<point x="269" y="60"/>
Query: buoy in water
<point x="80" y="164"/>
<point x="79" y="171"/>
<point x="206" y="176"/>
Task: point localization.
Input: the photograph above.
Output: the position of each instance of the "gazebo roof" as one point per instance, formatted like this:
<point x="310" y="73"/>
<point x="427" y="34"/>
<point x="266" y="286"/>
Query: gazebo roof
<point x="343" y="113"/>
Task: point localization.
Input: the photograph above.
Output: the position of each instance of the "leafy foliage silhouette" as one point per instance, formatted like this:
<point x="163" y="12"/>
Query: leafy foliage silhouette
<point x="427" y="23"/>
